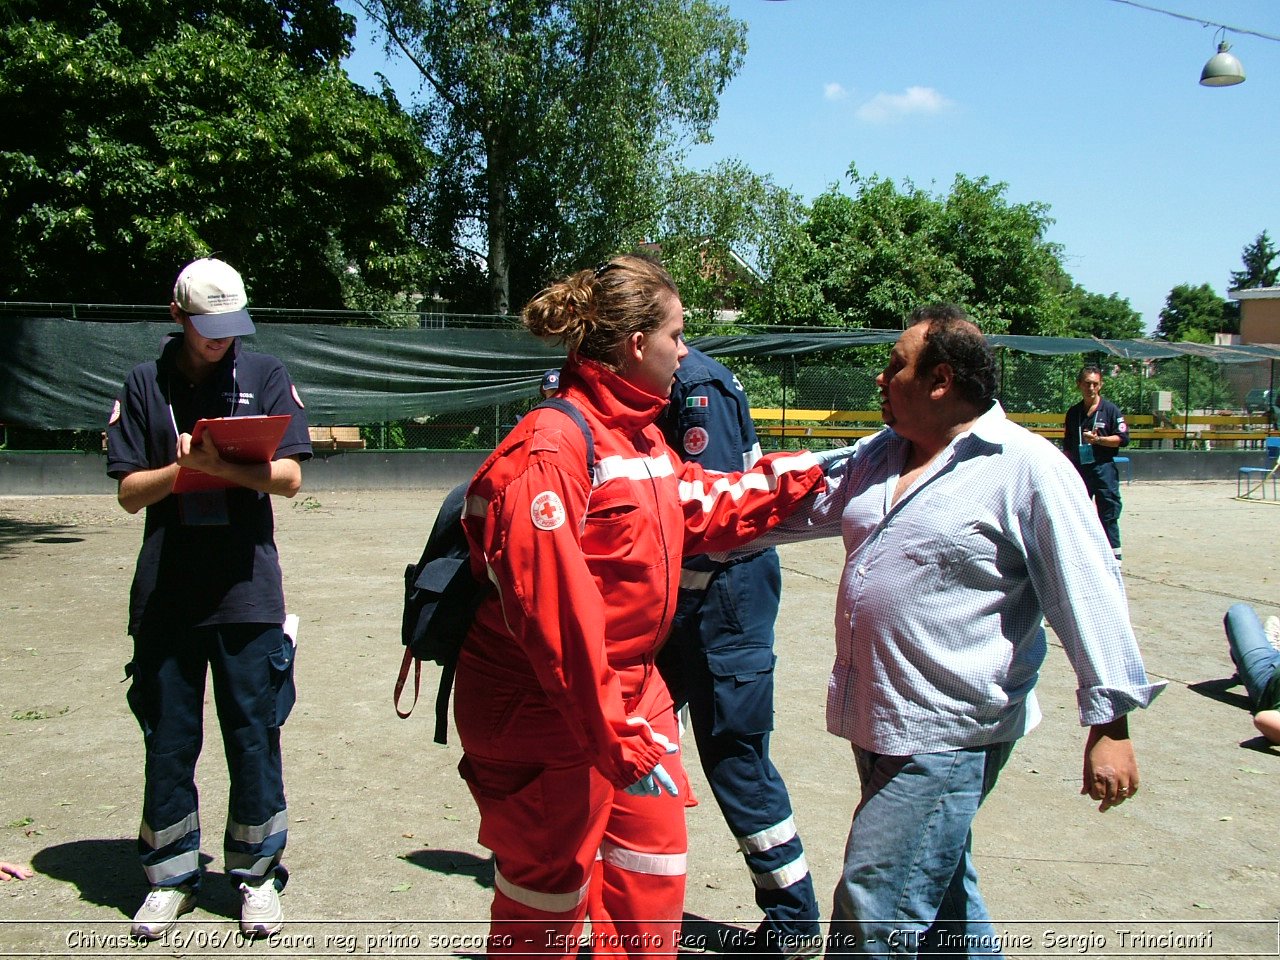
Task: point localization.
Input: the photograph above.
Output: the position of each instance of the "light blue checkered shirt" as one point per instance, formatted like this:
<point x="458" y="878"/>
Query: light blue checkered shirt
<point x="939" y="639"/>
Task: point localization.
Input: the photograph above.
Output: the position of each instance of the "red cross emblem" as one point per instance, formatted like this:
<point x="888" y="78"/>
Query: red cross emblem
<point x="547" y="511"/>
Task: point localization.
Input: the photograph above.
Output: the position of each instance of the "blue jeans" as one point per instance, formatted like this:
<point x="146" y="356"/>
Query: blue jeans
<point x="909" y="884"/>
<point x="1251" y="652"/>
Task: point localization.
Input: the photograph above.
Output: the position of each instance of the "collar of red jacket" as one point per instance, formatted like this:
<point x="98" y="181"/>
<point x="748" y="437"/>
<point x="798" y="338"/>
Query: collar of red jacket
<point x="619" y="404"/>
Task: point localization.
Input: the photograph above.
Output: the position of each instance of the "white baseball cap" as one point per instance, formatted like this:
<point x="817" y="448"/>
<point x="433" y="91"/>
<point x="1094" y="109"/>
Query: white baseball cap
<point x="212" y="294"/>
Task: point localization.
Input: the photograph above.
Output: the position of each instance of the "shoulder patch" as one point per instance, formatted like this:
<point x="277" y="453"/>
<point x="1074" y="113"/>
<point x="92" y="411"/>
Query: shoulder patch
<point x="115" y="414"/>
<point x="547" y="511"/>
<point x="296" y="399"/>
<point x="695" y="440"/>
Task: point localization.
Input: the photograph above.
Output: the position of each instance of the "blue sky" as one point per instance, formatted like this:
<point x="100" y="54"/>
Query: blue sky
<point x="1092" y="107"/>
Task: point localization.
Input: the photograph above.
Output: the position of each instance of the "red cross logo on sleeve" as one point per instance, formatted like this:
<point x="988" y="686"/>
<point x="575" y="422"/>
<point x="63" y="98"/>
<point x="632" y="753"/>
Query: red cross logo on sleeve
<point x="547" y="511"/>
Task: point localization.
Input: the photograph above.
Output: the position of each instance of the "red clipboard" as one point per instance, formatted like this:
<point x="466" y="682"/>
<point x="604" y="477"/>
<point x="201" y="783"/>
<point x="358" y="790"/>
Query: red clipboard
<point x="251" y="439"/>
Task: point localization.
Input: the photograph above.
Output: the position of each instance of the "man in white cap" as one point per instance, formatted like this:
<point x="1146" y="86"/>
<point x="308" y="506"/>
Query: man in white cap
<point x="207" y="595"/>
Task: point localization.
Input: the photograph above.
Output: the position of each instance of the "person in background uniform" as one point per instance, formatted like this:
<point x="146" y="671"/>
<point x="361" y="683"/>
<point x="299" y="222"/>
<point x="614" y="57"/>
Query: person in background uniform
<point x="550" y="383"/>
<point x="1094" y="431"/>
<point x="963" y="531"/>
<point x="719" y="660"/>
<point x="207" y="595"/>
<point x="568" y="731"/>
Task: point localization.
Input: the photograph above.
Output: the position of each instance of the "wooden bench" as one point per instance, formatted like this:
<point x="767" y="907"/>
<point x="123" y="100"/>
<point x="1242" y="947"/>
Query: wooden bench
<point x="846" y="425"/>
<point x="815" y="424"/>
<point x="1049" y="425"/>
<point x="336" y="438"/>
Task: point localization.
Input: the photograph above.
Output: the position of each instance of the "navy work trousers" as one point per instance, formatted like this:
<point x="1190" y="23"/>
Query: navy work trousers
<point x="1102" y="480"/>
<point x="721" y="659"/>
<point x="252" y="668"/>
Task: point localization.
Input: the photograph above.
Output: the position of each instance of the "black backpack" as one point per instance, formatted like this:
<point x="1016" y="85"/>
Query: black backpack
<point x="441" y="596"/>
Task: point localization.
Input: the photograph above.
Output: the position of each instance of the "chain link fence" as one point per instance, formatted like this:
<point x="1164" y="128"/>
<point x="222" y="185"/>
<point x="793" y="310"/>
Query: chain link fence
<point x="835" y="380"/>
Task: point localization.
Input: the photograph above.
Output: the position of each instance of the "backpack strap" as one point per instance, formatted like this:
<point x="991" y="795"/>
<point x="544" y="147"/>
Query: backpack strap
<point x="409" y="658"/>
<point x="574" y="414"/>
<point x="448" y="669"/>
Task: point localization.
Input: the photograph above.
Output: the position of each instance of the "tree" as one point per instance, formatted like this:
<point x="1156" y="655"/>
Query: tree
<point x="1108" y="318"/>
<point x="723" y="232"/>
<point x="136" y="141"/>
<point x="554" y="121"/>
<point x="1260" y="270"/>
<point x="1191" y="314"/>
<point x="870" y="258"/>
<point x="1260" y="267"/>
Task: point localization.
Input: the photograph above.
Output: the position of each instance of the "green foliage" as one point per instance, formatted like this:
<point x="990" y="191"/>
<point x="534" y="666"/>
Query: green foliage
<point x="1260" y="267"/>
<point x="1196" y="383"/>
<point x="1108" y="318"/>
<point x="869" y="259"/>
<point x="554" y="121"/>
<point x="1260" y="270"/>
<point x="722" y="232"/>
<point x="138" y="140"/>
<point x="1191" y="314"/>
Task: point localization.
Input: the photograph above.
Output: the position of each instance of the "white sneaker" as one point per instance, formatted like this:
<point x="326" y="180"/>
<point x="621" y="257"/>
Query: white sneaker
<point x="160" y="911"/>
<point x="1271" y="626"/>
<point x="260" y="912"/>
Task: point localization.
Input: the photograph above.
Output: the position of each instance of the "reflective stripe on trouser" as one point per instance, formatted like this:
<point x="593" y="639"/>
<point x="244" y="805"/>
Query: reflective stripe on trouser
<point x="637" y="897"/>
<point x="566" y="843"/>
<point x="172" y="854"/>
<point x="784" y="837"/>
<point x="251" y="665"/>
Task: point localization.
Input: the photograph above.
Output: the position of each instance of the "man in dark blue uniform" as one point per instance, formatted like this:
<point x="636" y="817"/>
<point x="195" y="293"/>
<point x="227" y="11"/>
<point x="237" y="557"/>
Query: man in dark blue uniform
<point x="207" y="595"/>
<point x="719" y="660"/>
<point x="1094" y="431"/>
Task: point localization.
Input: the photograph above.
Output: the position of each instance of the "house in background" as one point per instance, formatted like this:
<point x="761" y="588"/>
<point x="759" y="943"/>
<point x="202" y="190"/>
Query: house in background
<point x="1259" y="324"/>
<point x="1259" y="314"/>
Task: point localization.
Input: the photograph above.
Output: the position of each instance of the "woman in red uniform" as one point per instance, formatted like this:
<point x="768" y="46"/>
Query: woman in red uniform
<point x="567" y="729"/>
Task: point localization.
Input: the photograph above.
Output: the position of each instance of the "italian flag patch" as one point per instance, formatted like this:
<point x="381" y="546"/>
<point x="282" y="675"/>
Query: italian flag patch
<point x="696" y="402"/>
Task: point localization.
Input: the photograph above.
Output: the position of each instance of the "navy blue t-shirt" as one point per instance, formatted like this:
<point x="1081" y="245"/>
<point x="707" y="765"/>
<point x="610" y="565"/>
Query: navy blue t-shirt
<point x="196" y="574"/>
<point x="1107" y="420"/>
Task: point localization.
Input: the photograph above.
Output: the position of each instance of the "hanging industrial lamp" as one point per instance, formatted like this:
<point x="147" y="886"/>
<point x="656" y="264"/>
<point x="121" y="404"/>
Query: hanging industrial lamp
<point x="1222" y="69"/>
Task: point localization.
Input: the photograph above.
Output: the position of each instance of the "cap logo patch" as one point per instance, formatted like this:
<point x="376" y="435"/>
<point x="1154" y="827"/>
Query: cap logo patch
<point x="695" y="440"/>
<point x="547" y="511"/>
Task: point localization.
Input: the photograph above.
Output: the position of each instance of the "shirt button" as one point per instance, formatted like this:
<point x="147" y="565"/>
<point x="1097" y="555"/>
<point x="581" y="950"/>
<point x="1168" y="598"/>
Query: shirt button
<point x="862" y="571"/>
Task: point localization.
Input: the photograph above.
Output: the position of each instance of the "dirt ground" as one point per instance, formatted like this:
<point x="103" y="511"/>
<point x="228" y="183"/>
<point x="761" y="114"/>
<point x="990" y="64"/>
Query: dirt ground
<point x="382" y="836"/>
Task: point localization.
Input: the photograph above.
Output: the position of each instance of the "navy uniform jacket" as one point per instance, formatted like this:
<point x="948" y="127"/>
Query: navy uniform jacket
<point x="1107" y="420"/>
<point x="709" y="420"/>
<point x="191" y="575"/>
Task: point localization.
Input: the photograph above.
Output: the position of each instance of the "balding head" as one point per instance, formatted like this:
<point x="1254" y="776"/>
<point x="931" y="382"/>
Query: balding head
<point x="950" y="337"/>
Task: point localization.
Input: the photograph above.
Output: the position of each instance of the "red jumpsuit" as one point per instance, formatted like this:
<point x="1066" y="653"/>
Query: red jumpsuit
<point x="556" y="697"/>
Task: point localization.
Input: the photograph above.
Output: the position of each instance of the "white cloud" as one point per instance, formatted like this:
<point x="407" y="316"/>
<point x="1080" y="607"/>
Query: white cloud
<point x="886" y="107"/>
<point x="834" y="91"/>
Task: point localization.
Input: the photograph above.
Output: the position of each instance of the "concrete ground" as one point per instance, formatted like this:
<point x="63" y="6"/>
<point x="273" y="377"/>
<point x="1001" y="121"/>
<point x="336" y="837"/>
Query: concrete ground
<point x="382" y="839"/>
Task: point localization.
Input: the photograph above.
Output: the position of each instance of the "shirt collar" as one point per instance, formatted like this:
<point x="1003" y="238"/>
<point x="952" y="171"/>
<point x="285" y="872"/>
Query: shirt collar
<point x="991" y="427"/>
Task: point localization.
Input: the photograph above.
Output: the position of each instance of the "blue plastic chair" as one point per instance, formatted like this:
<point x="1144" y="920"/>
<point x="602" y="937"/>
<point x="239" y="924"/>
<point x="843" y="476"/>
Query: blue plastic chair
<point x="1255" y="478"/>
